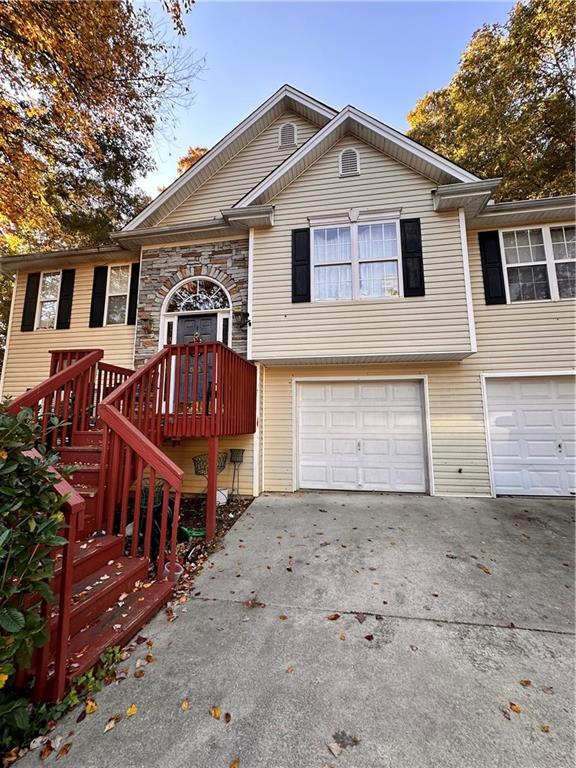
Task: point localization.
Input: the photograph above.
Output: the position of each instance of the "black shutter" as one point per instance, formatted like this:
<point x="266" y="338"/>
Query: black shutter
<point x="492" y="273"/>
<point x="300" y="265"/>
<point x="98" y="297"/>
<point x="30" y="302"/>
<point x="412" y="263"/>
<point x="65" y="302"/>
<point x="133" y="296"/>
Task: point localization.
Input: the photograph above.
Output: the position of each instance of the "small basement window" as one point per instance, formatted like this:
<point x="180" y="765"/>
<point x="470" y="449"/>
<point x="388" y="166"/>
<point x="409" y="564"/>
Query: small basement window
<point x="349" y="163"/>
<point x="287" y="135"/>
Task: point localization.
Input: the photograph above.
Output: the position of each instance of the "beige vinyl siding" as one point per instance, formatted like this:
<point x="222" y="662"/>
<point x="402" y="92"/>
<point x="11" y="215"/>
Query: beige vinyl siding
<point x="28" y="359"/>
<point x="183" y="454"/>
<point x="520" y="337"/>
<point x="241" y="173"/>
<point x="434" y="323"/>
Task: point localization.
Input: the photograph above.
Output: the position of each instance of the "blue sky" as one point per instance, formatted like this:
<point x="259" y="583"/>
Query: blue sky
<point x="379" y="56"/>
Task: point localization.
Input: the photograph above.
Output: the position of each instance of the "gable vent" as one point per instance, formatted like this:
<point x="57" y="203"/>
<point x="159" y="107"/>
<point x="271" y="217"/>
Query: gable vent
<point x="287" y="135"/>
<point x="349" y="163"/>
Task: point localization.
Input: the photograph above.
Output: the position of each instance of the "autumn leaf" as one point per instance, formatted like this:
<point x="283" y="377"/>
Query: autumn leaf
<point x="342" y="636"/>
<point x="369" y="637"/>
<point x="10" y="757"/>
<point x="185" y="706"/>
<point x="515" y="708"/>
<point x="132" y="710"/>
<point x="216" y="712"/>
<point x="525" y="683"/>
<point x="282" y="617"/>
<point x="91" y="706"/>
<point x="63" y="751"/>
<point x="484" y="568"/>
<point x="112" y="722"/>
<point x="235" y="763"/>
<point x="290" y="669"/>
<point x="333" y="617"/>
<point x="227" y="717"/>
<point x="139" y="673"/>
<point x="46" y="751"/>
<point x="545" y="728"/>
<point x="150" y="658"/>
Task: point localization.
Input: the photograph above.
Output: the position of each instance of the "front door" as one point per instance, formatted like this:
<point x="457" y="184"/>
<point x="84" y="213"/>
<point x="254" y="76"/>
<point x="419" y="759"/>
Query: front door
<point x="191" y="379"/>
<point x="206" y="326"/>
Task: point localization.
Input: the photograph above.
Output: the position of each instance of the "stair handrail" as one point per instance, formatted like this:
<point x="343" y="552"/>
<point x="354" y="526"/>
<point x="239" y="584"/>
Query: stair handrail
<point x="46" y="687"/>
<point x="129" y="449"/>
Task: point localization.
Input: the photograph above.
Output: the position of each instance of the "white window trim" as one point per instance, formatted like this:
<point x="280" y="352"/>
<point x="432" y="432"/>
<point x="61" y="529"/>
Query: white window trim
<point x="108" y="294"/>
<point x="355" y="262"/>
<point x="40" y="301"/>
<point x="295" y="142"/>
<point x="221" y="314"/>
<point x="357" y="171"/>
<point x="549" y="260"/>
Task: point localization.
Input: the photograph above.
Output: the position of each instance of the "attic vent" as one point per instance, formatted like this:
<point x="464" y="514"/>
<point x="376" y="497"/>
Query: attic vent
<point x="287" y="135"/>
<point x="349" y="163"/>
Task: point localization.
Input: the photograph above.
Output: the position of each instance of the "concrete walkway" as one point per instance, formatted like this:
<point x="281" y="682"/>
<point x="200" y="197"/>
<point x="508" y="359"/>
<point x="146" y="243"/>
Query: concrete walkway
<point x="444" y="606"/>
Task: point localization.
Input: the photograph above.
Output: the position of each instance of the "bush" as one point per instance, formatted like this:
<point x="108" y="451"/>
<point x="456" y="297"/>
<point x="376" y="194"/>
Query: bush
<point x="30" y="519"/>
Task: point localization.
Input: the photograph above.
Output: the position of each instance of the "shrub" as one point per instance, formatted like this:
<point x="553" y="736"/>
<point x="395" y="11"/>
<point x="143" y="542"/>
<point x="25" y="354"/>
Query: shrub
<point x="30" y="519"/>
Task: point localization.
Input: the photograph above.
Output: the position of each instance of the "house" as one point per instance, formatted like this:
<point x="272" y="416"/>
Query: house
<point x="399" y="330"/>
<point x="410" y="334"/>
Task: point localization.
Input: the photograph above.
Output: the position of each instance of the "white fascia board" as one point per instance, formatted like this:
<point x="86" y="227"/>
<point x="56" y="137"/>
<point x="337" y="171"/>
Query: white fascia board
<point x="285" y="92"/>
<point x="351" y="113"/>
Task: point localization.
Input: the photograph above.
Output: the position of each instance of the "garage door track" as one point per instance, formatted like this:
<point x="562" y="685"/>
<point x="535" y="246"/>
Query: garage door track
<point x="360" y="631"/>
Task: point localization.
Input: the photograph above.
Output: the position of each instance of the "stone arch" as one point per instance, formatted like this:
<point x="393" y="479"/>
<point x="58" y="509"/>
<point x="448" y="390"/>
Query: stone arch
<point x="190" y="271"/>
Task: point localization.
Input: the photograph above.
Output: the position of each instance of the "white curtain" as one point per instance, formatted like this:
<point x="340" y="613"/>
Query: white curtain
<point x="333" y="282"/>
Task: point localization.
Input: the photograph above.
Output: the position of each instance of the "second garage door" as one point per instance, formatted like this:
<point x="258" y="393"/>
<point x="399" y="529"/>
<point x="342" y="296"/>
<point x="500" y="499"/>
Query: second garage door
<point x="366" y="436"/>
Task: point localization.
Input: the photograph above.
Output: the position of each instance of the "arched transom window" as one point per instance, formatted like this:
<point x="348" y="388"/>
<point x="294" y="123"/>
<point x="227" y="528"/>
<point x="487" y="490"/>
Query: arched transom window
<point x="198" y="295"/>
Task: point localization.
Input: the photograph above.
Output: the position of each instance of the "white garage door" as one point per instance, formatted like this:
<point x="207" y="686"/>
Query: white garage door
<point x="366" y="436"/>
<point x="532" y="424"/>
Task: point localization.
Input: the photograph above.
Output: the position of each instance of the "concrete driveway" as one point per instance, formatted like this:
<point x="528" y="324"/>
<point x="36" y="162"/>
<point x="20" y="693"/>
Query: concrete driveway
<point x="444" y="606"/>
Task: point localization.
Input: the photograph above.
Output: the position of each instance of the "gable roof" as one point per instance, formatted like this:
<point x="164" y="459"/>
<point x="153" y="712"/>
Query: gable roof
<point x="369" y="130"/>
<point x="285" y="99"/>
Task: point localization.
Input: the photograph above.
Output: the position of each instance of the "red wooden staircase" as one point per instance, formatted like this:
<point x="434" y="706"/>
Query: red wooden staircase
<point x="122" y="514"/>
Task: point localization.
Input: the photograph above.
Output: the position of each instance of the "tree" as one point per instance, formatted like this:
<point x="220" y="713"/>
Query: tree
<point x="83" y="88"/>
<point x="192" y="156"/>
<point x="509" y="109"/>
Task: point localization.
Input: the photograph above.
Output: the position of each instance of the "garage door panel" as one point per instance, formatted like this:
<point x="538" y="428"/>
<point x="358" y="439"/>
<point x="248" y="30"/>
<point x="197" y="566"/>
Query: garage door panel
<point x="531" y="424"/>
<point x="372" y="436"/>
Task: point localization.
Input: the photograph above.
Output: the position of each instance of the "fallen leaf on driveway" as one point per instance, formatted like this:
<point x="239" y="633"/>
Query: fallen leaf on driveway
<point x="63" y="751"/>
<point x="282" y="617"/>
<point x="548" y="690"/>
<point x="11" y="757"/>
<point x="139" y="673"/>
<point x="185" y="706"/>
<point x="525" y="683"/>
<point x="342" y="636"/>
<point x="150" y="658"/>
<point x="333" y="617"/>
<point x="90" y="707"/>
<point x="515" y="708"/>
<point x="112" y="722"/>
<point x="46" y="751"/>
<point x="290" y="669"/>
<point x="227" y="717"/>
<point x="369" y="637"/>
<point x="235" y="763"/>
<point x="545" y="728"/>
<point x="484" y="568"/>
<point x="335" y="748"/>
<point x="505" y="712"/>
<point x="132" y="710"/>
<point x="216" y="712"/>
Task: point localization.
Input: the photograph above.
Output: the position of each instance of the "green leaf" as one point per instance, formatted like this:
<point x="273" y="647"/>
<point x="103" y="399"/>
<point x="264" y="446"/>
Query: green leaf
<point x="11" y="619"/>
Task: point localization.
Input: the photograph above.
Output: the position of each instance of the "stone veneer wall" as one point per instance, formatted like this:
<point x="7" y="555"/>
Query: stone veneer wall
<point x="163" y="268"/>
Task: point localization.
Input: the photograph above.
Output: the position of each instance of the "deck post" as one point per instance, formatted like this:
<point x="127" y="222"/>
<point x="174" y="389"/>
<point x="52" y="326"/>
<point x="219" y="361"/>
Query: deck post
<point x="211" y="491"/>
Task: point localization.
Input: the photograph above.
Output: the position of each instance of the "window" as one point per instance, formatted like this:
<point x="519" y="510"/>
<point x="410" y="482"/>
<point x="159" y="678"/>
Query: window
<point x="349" y="163"/>
<point x="539" y="263"/>
<point x="287" y="135"/>
<point x="117" y="294"/>
<point x="198" y="296"/>
<point x="564" y="250"/>
<point x="48" y="297"/>
<point x="359" y="261"/>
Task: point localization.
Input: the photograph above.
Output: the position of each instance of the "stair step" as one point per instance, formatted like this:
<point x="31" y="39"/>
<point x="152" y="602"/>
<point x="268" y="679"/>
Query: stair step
<point x="89" y="556"/>
<point x="80" y="454"/>
<point x="140" y="606"/>
<point x="101" y="589"/>
<point x="92" y="437"/>
<point x="84" y="474"/>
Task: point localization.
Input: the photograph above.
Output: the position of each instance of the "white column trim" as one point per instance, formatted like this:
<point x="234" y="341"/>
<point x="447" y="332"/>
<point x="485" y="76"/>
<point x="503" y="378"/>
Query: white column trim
<point x="467" y="280"/>
<point x="250" y="301"/>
